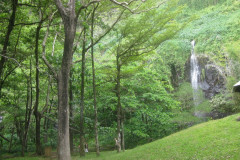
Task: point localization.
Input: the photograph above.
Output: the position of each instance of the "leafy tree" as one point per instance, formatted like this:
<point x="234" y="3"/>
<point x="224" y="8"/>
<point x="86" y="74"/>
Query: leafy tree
<point x="138" y="36"/>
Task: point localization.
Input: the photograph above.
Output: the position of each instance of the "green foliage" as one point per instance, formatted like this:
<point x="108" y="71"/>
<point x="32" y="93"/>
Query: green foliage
<point x="223" y="103"/>
<point x="185" y="119"/>
<point x="200" y="4"/>
<point x="184" y="95"/>
<point x="106" y="138"/>
<point x="150" y="107"/>
<point x="204" y="107"/>
<point x="233" y="49"/>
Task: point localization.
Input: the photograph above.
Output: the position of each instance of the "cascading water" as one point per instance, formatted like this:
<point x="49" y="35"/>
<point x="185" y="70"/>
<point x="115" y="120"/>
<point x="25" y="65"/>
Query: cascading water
<point x="195" y="77"/>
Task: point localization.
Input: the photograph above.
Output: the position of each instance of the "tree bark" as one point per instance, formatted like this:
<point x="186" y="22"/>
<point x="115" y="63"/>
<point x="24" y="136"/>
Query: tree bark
<point x="46" y="120"/>
<point x="23" y="133"/>
<point x="71" y="111"/>
<point x="63" y="108"/>
<point x="118" y="104"/>
<point x="36" y="112"/>
<point x="6" y="41"/>
<point x="70" y="21"/>
<point x="94" y="89"/>
<point x="122" y="127"/>
<point x="82" y="141"/>
<point x="28" y="112"/>
<point x="38" y="131"/>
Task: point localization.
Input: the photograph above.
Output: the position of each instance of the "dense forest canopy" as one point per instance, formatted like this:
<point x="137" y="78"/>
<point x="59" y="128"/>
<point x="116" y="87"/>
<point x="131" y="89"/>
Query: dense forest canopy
<point x="112" y="73"/>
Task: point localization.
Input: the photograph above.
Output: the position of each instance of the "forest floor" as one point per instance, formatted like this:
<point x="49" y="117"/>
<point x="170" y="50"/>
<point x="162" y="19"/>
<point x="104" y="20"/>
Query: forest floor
<point x="216" y="139"/>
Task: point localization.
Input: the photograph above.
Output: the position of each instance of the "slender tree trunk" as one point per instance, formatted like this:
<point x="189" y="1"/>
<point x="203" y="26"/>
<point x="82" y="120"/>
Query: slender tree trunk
<point x="118" y="105"/>
<point x="46" y="120"/>
<point x="38" y="132"/>
<point x="20" y="135"/>
<point x="10" y="143"/>
<point x="122" y="127"/>
<point x="28" y="111"/>
<point x="45" y="127"/>
<point x="94" y="89"/>
<point x="24" y="133"/>
<point x="71" y="111"/>
<point x="6" y="41"/>
<point x="23" y="146"/>
<point x="82" y="152"/>
<point x="36" y="112"/>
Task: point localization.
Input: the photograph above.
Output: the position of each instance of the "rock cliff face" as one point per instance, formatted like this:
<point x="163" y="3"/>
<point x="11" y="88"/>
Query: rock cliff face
<point x="212" y="79"/>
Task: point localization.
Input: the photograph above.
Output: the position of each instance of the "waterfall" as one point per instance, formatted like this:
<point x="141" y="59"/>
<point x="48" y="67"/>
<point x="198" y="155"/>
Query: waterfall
<point x="195" y="76"/>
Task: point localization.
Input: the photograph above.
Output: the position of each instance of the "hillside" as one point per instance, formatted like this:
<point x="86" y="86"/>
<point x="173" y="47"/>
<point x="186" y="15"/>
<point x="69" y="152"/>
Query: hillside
<point x="216" y="139"/>
<point x="215" y="31"/>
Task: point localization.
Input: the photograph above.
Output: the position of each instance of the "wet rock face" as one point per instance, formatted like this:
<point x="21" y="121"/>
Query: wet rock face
<point x="212" y="79"/>
<point x="213" y="82"/>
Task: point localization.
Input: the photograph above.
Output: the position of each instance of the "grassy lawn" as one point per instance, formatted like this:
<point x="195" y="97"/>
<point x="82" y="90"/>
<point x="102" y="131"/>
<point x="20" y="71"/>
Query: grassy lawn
<point x="217" y="139"/>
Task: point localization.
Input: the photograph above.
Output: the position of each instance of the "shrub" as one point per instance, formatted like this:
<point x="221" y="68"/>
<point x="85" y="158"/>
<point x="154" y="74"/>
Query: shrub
<point x="223" y="105"/>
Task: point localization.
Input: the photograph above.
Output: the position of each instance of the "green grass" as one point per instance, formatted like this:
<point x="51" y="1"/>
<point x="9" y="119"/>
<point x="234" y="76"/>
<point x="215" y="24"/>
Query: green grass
<point x="213" y="140"/>
<point x="217" y="139"/>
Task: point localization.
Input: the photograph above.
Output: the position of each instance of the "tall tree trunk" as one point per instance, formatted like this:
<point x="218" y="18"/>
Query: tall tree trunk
<point x="94" y="89"/>
<point x="24" y="133"/>
<point x="28" y="111"/>
<point x="118" y="104"/>
<point x="36" y="112"/>
<point x="82" y="152"/>
<point x="63" y="81"/>
<point x="46" y="120"/>
<point x="69" y="18"/>
<point x="71" y="111"/>
<point x="122" y="127"/>
<point x="6" y="41"/>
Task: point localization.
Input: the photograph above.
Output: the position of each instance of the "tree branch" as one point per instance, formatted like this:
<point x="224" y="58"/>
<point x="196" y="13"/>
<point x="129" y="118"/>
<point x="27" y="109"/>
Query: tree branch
<point x="75" y="47"/>
<point x="28" y="24"/>
<point x="102" y="36"/>
<point x="57" y="123"/>
<point x="11" y="59"/>
<point x="10" y="72"/>
<point x="123" y="4"/>
<point x="47" y="97"/>
<point x="24" y="4"/>
<point x="60" y="7"/>
<point x="85" y="6"/>
<point x="44" y="50"/>
<point x="77" y="61"/>
<point x="133" y="11"/>
<point x="149" y="8"/>
<point x="53" y="46"/>
<point x="4" y="138"/>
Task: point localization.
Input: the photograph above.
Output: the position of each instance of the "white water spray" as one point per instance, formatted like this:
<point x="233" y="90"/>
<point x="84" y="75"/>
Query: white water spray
<point x="195" y="76"/>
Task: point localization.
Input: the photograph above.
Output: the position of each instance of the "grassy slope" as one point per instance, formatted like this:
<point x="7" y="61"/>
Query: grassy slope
<point x="217" y="139"/>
